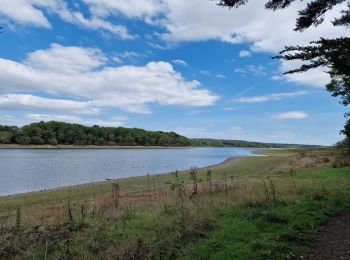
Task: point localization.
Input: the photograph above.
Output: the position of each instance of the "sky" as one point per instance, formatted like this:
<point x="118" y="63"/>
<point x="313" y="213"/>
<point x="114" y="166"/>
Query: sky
<point x="172" y="65"/>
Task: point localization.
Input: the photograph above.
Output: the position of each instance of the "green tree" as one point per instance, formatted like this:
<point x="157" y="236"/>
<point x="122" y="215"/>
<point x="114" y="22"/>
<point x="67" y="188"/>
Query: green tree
<point x="331" y="54"/>
<point x="6" y="137"/>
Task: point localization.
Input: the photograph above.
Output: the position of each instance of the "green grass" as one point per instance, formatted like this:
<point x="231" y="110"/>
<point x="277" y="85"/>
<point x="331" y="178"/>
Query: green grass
<point x="277" y="231"/>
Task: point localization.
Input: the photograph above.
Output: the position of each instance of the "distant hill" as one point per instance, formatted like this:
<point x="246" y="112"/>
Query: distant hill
<point x="241" y="143"/>
<point x="59" y="133"/>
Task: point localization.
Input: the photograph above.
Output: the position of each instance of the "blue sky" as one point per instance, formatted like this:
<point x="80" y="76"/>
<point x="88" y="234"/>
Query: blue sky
<point x="173" y="65"/>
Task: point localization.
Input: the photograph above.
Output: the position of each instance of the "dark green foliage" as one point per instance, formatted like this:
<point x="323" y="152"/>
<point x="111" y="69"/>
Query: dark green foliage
<point x="59" y="133"/>
<point x="55" y="133"/>
<point x="344" y="19"/>
<point x="7" y="134"/>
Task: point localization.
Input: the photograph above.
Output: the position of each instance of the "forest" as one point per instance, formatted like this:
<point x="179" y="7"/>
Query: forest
<point x="60" y="133"/>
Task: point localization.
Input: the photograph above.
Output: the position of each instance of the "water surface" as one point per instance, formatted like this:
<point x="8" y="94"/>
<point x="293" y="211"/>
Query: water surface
<point x="25" y="170"/>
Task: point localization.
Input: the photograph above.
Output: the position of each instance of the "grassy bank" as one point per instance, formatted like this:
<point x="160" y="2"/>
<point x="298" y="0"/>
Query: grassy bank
<point x="257" y="208"/>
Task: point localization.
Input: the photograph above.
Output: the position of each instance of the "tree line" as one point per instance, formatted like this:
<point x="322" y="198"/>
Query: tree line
<point x="59" y="133"/>
<point x="207" y="142"/>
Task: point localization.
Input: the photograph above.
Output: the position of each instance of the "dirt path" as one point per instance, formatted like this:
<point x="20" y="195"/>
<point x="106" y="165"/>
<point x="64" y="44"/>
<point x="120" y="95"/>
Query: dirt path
<point x="332" y="241"/>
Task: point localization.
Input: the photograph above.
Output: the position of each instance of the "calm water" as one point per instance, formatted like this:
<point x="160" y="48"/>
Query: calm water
<point x="24" y="170"/>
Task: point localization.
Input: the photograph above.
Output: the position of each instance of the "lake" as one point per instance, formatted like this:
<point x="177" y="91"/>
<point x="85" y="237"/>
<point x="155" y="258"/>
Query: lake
<point x="26" y="170"/>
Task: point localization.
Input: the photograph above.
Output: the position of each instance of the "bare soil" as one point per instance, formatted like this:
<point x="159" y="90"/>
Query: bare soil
<point x="332" y="241"/>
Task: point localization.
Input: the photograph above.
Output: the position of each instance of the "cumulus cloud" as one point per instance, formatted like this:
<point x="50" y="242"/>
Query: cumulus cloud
<point x="292" y="115"/>
<point x="271" y="97"/>
<point x="189" y="21"/>
<point x="130" y="88"/>
<point x="186" y="21"/>
<point x="24" y="13"/>
<point x="66" y="60"/>
<point x="29" y="102"/>
<point x="31" y="12"/>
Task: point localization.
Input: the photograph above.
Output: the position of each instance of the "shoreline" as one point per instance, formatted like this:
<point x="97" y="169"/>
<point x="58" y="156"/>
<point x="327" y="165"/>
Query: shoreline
<point x="228" y="162"/>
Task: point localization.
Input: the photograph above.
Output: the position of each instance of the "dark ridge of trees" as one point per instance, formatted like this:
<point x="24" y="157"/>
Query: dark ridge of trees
<point x="59" y="133"/>
<point x="331" y="54"/>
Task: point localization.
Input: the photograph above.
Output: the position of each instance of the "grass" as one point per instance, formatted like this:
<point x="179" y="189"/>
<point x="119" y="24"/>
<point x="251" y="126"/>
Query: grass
<point x="257" y="208"/>
<point x="277" y="231"/>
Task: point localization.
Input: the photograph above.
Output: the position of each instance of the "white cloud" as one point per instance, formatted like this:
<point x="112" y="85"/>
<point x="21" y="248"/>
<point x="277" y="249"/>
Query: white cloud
<point x="130" y="8"/>
<point x="31" y="12"/>
<point x="24" y="13"/>
<point x="78" y="18"/>
<point x="313" y="78"/>
<point x="179" y="62"/>
<point x="293" y="115"/>
<point x="127" y="56"/>
<point x="256" y="70"/>
<point x="130" y="88"/>
<point x="29" y="102"/>
<point x="245" y="54"/>
<point x="271" y="97"/>
<point x="187" y="21"/>
<point x="160" y="46"/>
<point x="67" y="60"/>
